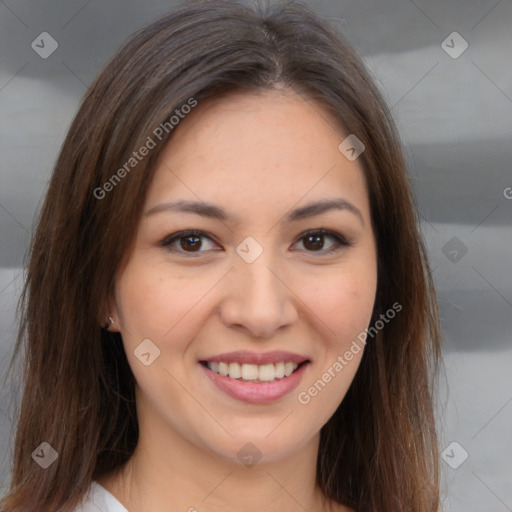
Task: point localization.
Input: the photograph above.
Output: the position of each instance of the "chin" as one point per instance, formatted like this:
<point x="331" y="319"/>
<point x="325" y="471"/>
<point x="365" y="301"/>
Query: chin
<point x="250" y="445"/>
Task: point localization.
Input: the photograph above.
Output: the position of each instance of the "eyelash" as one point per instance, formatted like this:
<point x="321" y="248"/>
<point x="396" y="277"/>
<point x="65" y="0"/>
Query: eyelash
<point x="340" y="241"/>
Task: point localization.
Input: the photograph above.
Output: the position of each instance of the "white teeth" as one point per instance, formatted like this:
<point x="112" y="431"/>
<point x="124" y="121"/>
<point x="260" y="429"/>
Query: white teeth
<point x="249" y="371"/>
<point x="235" y="370"/>
<point x="288" y="369"/>
<point x="279" y="370"/>
<point x="223" y="369"/>
<point x="264" y="372"/>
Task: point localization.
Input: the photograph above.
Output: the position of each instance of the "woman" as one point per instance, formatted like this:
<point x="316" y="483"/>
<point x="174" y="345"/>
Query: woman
<point x="228" y="304"/>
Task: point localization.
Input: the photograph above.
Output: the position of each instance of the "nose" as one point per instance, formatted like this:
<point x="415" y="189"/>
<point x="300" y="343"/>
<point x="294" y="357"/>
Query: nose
<point x="258" y="301"/>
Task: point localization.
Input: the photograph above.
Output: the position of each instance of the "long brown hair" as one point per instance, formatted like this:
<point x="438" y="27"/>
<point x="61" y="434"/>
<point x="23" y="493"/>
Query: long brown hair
<point x="378" y="452"/>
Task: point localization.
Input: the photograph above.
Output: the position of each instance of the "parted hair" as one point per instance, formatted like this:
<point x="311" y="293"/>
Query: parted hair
<point x="378" y="452"/>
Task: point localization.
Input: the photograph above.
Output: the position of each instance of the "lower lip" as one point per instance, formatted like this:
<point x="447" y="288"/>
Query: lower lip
<point x="254" y="392"/>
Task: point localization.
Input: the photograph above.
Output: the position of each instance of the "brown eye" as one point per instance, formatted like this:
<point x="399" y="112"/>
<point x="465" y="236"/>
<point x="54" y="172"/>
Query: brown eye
<point x="314" y="241"/>
<point x="186" y="242"/>
<point x="191" y="242"/>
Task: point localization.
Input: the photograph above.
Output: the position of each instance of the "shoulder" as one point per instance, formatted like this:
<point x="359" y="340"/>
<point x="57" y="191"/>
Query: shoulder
<point x="98" y="499"/>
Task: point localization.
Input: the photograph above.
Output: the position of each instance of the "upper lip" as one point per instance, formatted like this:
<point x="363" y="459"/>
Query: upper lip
<point x="246" y="357"/>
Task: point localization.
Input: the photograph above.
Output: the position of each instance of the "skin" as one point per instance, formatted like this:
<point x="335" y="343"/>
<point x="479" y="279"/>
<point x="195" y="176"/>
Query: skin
<point x="257" y="156"/>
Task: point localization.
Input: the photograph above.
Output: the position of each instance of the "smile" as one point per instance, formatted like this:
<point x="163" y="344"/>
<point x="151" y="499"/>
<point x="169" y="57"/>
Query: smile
<point x="256" y="378"/>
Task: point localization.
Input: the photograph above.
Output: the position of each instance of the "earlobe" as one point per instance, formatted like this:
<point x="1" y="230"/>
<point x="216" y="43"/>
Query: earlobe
<point x="109" y="323"/>
<point x="108" y="315"/>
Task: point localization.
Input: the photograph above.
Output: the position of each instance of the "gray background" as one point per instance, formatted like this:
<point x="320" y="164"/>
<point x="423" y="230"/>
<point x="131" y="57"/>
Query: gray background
<point x="455" y="120"/>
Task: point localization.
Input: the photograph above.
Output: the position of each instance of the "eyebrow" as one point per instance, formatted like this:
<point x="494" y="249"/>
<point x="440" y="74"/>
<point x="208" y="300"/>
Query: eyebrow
<point x="215" y="212"/>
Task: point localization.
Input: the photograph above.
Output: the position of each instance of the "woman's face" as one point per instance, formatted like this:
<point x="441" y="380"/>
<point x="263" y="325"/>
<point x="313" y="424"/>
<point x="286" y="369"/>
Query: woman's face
<point x="256" y="291"/>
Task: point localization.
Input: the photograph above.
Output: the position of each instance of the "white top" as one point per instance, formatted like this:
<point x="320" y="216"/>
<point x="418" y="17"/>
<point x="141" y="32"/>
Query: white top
<point x="98" y="499"/>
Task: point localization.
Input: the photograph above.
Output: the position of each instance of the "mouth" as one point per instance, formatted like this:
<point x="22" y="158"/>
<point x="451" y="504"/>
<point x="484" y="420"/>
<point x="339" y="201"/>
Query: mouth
<point x="256" y="378"/>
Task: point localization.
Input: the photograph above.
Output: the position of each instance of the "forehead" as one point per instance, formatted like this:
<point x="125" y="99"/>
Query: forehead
<point x="269" y="149"/>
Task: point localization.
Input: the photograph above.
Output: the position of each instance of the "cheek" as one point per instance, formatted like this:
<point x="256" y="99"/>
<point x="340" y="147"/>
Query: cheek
<point x="152" y="301"/>
<point x="343" y="302"/>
